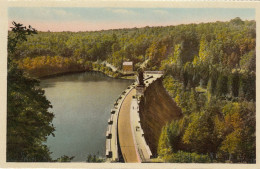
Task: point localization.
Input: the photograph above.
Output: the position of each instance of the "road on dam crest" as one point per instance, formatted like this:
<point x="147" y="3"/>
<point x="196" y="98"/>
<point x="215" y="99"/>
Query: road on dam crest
<point x="126" y="138"/>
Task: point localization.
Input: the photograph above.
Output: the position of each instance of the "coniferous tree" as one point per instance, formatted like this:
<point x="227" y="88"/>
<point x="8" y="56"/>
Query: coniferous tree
<point x="28" y="120"/>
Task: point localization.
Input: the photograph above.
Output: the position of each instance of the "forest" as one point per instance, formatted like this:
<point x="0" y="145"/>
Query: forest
<point x="216" y="91"/>
<point x="210" y="72"/>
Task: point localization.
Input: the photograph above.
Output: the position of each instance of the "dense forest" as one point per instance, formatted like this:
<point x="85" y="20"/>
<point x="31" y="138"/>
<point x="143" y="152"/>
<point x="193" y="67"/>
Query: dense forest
<point x="215" y="88"/>
<point x="209" y="71"/>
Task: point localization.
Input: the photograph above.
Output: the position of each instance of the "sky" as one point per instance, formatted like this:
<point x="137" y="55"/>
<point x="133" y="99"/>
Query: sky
<point x="92" y="19"/>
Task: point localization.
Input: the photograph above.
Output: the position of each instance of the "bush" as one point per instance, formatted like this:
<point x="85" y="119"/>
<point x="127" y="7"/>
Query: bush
<point x="94" y="159"/>
<point x="186" y="157"/>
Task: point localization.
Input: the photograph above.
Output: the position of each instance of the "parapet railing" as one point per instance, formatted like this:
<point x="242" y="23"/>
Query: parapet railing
<point x="143" y="148"/>
<point x="111" y="133"/>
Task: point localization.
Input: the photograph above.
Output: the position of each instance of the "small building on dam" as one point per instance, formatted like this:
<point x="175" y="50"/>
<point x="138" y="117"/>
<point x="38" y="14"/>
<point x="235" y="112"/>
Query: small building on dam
<point x="128" y="66"/>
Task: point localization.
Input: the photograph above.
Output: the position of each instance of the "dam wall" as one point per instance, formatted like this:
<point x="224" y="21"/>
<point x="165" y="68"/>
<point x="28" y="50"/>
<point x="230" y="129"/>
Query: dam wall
<point x="137" y="118"/>
<point x="156" y="108"/>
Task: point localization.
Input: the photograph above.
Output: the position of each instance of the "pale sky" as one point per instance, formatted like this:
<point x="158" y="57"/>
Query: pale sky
<point x="91" y="19"/>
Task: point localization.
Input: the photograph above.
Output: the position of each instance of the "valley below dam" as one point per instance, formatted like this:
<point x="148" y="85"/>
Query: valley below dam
<point x="81" y="105"/>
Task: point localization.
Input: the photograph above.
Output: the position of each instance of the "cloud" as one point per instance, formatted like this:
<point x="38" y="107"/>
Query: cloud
<point x="75" y="19"/>
<point x="43" y="14"/>
<point x="160" y="12"/>
<point x="62" y="13"/>
<point x="122" y="11"/>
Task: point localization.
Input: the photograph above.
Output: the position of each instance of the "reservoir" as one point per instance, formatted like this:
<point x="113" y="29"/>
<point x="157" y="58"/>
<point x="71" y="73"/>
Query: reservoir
<point x="81" y="104"/>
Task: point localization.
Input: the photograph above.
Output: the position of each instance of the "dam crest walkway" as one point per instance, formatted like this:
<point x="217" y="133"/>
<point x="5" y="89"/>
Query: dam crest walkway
<point x="125" y="137"/>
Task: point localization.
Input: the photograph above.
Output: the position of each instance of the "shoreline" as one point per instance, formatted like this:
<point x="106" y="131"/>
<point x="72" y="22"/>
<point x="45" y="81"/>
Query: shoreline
<point x="60" y="74"/>
<point x="82" y="71"/>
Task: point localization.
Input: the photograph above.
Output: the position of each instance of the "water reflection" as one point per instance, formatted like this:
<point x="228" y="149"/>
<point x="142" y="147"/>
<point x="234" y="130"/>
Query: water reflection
<point x="78" y="77"/>
<point x="81" y="103"/>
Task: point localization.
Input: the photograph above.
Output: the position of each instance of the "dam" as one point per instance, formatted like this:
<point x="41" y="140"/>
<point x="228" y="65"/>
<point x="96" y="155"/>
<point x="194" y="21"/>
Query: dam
<point x="125" y="138"/>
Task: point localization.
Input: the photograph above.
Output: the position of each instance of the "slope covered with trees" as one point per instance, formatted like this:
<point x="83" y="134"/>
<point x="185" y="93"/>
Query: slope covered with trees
<point x="231" y="43"/>
<point x="209" y="71"/>
<point x="216" y="92"/>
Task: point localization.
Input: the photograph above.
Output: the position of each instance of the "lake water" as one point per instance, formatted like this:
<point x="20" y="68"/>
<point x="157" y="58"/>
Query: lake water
<point x="81" y="104"/>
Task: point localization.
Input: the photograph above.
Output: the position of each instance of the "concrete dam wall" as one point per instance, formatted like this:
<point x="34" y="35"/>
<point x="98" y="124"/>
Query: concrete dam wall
<point x="156" y="109"/>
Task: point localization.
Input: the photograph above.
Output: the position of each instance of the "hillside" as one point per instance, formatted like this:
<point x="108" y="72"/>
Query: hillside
<point x="227" y="42"/>
<point x="210" y="72"/>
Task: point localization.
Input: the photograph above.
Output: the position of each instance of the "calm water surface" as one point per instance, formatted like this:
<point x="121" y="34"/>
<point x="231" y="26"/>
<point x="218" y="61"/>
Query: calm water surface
<point x="81" y="104"/>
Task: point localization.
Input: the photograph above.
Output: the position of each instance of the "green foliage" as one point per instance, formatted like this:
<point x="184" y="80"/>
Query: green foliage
<point x="221" y="72"/>
<point x="240" y="137"/>
<point x="163" y="144"/>
<point x="248" y="85"/>
<point x="170" y="85"/>
<point x="222" y="85"/>
<point x="64" y="158"/>
<point x="234" y="83"/>
<point x="200" y="133"/>
<point x="28" y="120"/>
<point x="212" y="82"/>
<point x="225" y="43"/>
<point x="222" y="129"/>
<point x="248" y="61"/>
<point x="209" y="66"/>
<point x="19" y="34"/>
<point x="186" y="157"/>
<point x="204" y="52"/>
<point x="236" y="21"/>
<point x="94" y="159"/>
<point x="175" y="133"/>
